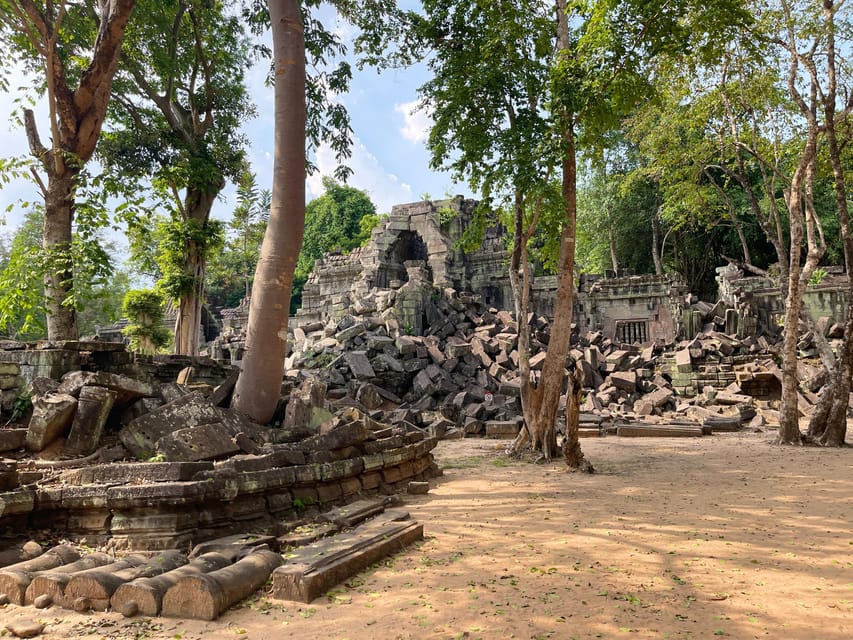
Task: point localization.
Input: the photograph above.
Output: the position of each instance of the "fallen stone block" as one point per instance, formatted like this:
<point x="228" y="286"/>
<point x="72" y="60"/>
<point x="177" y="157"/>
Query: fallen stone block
<point x="658" y="431"/>
<point x="20" y="552"/>
<point x="93" y="408"/>
<point x="206" y="595"/>
<point x="359" y="365"/>
<point x="624" y="381"/>
<point x="502" y="429"/>
<point x="354" y="513"/>
<point x="15" y="578"/>
<point x="11" y="439"/>
<point x="127" y="389"/>
<point x="144" y="596"/>
<point x="202" y="442"/>
<point x="49" y="585"/>
<point x="52" y="416"/>
<point x="313" y="570"/>
<point x="93" y="588"/>
<point x="140" y="436"/>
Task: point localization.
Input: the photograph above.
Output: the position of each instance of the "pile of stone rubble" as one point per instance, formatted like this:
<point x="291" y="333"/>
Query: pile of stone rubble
<point x="461" y="377"/>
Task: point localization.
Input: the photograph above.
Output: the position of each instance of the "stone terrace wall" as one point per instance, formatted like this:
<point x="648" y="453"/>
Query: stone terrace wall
<point x="21" y="363"/>
<point x="154" y="506"/>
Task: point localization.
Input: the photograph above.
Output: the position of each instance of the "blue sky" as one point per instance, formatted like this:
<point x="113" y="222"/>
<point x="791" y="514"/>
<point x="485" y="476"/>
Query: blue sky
<point x="389" y="159"/>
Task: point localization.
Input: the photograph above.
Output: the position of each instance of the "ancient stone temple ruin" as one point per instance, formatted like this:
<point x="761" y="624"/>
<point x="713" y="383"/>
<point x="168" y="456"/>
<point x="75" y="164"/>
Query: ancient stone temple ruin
<point x="413" y="251"/>
<point x="416" y="251"/>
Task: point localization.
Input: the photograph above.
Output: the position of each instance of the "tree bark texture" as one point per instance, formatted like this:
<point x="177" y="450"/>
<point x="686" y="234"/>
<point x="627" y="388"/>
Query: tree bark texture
<point x="56" y="242"/>
<point x="76" y="117"/>
<point x="828" y="424"/>
<point x="197" y="208"/>
<point x="259" y="385"/>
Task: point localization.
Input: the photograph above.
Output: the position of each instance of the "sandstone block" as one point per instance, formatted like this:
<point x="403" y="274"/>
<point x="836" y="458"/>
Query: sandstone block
<point x="52" y="416"/>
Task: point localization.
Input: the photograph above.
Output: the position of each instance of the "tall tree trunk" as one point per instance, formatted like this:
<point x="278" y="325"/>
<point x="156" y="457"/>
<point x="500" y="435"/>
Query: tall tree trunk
<point x="789" y="414"/>
<point x="611" y="240"/>
<point x="56" y="242"/>
<point x="197" y="207"/>
<point x="76" y="117"/>
<point x="656" y="243"/>
<point x="828" y="424"/>
<point x="554" y="366"/>
<point x="259" y="385"/>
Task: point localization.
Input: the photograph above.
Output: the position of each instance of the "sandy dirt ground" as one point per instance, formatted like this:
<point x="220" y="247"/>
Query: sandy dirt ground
<point x="722" y="536"/>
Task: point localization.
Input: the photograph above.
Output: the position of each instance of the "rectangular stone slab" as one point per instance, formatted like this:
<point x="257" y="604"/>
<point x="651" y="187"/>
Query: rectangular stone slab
<point x="658" y="431"/>
<point x="313" y="570"/>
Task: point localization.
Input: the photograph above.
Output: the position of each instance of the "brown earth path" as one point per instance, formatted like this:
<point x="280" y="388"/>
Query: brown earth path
<point x="722" y="536"/>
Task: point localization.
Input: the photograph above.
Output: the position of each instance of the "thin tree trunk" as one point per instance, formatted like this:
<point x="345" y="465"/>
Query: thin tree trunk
<point x="656" y="243"/>
<point x="258" y="387"/>
<point x="611" y="240"/>
<point x="828" y="424"/>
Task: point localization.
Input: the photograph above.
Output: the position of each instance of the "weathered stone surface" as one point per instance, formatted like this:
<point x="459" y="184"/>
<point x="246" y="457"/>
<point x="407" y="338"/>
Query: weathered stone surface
<point x="683" y="361"/>
<point x="140" y="436"/>
<point x="135" y="473"/>
<point x="345" y="435"/>
<point x="624" y="380"/>
<point x="369" y="396"/>
<point x="92" y="588"/>
<point x="651" y="401"/>
<point x="11" y="439"/>
<point x="205" y="596"/>
<point x="417" y="488"/>
<point x="93" y="408"/>
<point x="25" y="628"/>
<point x="202" y="442"/>
<point x="312" y="570"/>
<point x="127" y="389"/>
<point x="52" y="416"/>
<point x="49" y="586"/>
<point x="359" y="365"/>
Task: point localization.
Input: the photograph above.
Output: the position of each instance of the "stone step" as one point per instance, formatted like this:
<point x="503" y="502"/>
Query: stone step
<point x="312" y="570"/>
<point x="658" y="431"/>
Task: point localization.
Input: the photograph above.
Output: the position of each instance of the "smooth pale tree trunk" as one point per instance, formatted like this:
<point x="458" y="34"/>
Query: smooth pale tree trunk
<point x="76" y="117"/>
<point x="798" y="199"/>
<point x="611" y="238"/>
<point x="259" y="384"/>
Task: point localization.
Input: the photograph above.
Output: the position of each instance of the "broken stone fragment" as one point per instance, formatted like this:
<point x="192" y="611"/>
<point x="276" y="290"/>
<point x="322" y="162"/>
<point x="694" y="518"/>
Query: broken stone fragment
<point x="93" y="408"/>
<point x="25" y="628"/>
<point x="368" y="395"/>
<point x="624" y="380"/>
<point x="202" y="442"/>
<point x="52" y="415"/>
<point x="127" y="389"/>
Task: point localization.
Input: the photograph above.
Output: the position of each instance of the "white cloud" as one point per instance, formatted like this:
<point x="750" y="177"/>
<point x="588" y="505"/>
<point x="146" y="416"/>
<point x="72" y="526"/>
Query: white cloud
<point x="383" y="187"/>
<point x="416" y="121"/>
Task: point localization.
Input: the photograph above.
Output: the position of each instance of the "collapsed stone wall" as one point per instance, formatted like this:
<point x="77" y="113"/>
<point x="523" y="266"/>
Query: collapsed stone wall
<point x="758" y="298"/>
<point x="428" y="233"/>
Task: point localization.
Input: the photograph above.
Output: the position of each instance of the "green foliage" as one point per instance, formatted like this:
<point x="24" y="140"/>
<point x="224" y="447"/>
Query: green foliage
<point x="245" y="234"/>
<point x="21" y="406"/>
<point x="818" y="276"/>
<point x="342" y="218"/>
<point x="24" y="264"/>
<point x="144" y="310"/>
